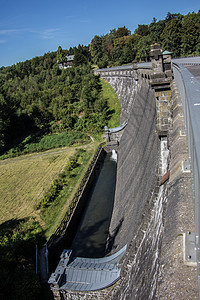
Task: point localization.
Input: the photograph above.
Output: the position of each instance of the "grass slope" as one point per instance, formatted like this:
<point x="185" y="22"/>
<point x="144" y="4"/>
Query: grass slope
<point x="25" y="179"/>
<point x="113" y="103"/>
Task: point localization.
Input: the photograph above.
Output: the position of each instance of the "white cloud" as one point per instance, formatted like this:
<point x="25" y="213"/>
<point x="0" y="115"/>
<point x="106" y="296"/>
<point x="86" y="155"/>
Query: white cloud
<point x="49" y="33"/>
<point x="46" y="33"/>
<point x="8" y="31"/>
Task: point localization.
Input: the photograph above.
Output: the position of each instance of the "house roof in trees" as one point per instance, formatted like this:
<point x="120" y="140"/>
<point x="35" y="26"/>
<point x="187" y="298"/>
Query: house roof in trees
<point x="166" y="52"/>
<point x="70" y="57"/>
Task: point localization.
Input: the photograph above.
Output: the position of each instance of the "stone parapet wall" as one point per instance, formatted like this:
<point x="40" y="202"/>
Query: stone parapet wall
<point x="176" y="279"/>
<point x="177" y="136"/>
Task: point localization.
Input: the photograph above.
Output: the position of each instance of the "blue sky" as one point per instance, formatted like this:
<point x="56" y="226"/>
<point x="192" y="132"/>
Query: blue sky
<point x="32" y="28"/>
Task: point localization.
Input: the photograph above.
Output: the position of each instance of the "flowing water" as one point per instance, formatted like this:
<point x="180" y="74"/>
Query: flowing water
<point x="91" y="236"/>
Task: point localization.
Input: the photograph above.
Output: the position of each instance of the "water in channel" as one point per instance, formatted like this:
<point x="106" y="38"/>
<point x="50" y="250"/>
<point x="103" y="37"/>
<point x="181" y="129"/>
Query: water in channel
<point x="90" y="239"/>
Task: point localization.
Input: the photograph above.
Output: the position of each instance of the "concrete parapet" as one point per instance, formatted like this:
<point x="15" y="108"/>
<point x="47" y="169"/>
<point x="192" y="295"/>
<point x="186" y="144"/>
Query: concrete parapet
<point x="177" y="280"/>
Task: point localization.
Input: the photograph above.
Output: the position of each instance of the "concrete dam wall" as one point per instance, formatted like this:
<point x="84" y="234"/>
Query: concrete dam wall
<point x="126" y="86"/>
<point x="138" y="207"/>
<point x="153" y="206"/>
<point x="138" y="158"/>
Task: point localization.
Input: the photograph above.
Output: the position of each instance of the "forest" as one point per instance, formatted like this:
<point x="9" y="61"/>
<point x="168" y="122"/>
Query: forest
<point x="177" y="33"/>
<point x="39" y="96"/>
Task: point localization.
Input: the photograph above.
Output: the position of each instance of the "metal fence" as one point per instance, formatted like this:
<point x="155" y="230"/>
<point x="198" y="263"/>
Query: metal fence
<point x="189" y="89"/>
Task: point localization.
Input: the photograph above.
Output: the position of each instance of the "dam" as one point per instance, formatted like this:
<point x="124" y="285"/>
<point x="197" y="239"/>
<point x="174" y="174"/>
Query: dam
<point x="152" y="210"/>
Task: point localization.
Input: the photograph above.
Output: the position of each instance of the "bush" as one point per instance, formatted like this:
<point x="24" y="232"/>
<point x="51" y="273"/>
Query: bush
<point x="17" y="259"/>
<point x="62" y="180"/>
<point x="35" y="143"/>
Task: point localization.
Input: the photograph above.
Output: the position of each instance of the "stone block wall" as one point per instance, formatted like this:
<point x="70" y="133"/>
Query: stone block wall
<point x="176" y="279"/>
<point x="163" y="108"/>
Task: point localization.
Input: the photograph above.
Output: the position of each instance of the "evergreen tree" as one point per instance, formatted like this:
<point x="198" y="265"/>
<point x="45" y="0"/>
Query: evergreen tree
<point x="95" y="48"/>
<point x="171" y="37"/>
<point x="190" y="33"/>
<point x="60" y="55"/>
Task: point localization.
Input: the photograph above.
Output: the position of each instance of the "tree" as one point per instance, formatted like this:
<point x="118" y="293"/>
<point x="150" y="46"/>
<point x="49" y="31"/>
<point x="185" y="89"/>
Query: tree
<point x="171" y="37"/>
<point x="122" y="31"/>
<point x="142" y="30"/>
<point x="95" y="48"/>
<point x="79" y="59"/>
<point x="190" y="33"/>
<point x="169" y="17"/>
<point x="143" y="48"/>
<point x="56" y="70"/>
<point x="198" y="46"/>
<point x="3" y="122"/>
<point x="60" y="55"/>
<point x="156" y="29"/>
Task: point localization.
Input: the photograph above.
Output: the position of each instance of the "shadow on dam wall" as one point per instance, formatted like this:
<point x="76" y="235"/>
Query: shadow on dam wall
<point x="138" y="158"/>
<point x="139" y="201"/>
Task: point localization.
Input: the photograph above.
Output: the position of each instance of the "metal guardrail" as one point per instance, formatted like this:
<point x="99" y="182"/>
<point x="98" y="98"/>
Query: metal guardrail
<point x="189" y="89"/>
<point x="144" y="65"/>
<point x="193" y="60"/>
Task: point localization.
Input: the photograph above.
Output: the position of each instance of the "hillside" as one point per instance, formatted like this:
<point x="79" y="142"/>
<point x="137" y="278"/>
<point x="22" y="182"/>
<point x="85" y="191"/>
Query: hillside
<point x="36" y="191"/>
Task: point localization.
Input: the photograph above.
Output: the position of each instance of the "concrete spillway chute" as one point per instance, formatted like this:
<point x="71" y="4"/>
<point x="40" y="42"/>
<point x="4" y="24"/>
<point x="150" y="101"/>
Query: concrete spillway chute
<point x="86" y="274"/>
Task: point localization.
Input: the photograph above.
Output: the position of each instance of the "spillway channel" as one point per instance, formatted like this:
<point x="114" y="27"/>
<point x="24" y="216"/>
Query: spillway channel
<point x="92" y="232"/>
